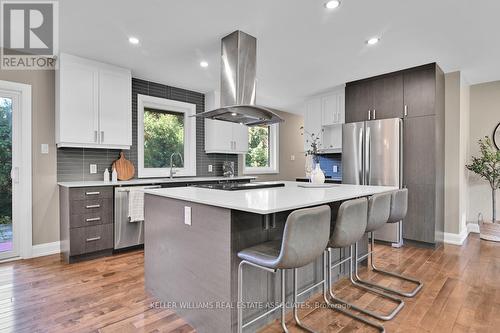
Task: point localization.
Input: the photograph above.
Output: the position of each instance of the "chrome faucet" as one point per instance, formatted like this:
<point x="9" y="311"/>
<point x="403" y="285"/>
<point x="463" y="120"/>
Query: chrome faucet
<point x="172" y="171"/>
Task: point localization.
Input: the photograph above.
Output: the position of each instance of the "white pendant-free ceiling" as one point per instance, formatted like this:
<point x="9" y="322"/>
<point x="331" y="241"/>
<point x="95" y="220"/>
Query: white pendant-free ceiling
<point x="303" y="48"/>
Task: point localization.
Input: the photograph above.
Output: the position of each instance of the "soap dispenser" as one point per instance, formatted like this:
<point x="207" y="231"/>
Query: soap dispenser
<point x="106" y="175"/>
<point x="114" y="175"/>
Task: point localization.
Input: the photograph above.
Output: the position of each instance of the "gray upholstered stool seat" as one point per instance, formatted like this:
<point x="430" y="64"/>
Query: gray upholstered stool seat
<point x="304" y="239"/>
<point x="393" y="212"/>
<point x="264" y="254"/>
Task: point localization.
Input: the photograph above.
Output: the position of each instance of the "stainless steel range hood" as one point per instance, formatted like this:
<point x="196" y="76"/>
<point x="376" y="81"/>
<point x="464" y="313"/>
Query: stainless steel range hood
<point x="237" y="98"/>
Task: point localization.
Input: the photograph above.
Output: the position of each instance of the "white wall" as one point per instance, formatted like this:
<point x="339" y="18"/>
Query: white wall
<point x="484" y="116"/>
<point x="456" y="152"/>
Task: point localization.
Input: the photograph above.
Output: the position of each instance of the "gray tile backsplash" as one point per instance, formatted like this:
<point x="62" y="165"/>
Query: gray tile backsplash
<point x="73" y="164"/>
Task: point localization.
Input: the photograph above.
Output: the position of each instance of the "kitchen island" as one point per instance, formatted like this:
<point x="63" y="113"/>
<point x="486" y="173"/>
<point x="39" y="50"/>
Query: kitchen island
<point x="193" y="235"/>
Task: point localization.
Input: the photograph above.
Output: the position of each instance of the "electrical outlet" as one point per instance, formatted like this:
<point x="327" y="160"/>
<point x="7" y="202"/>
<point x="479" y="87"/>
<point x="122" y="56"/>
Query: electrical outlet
<point x="187" y="215"/>
<point x="335" y="169"/>
<point x="210" y="168"/>
<point x="292" y="157"/>
<point x="93" y="168"/>
<point x="44" y="148"/>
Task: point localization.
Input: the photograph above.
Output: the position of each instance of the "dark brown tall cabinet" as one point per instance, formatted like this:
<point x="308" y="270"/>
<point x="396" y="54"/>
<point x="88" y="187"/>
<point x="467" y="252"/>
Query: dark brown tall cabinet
<point x="417" y="96"/>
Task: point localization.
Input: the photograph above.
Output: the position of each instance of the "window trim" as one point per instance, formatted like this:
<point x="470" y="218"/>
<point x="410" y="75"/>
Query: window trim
<point x="188" y="109"/>
<point x="274" y="155"/>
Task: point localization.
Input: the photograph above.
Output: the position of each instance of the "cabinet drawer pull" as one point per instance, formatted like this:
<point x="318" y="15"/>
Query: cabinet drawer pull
<point x="93" y="206"/>
<point x="92" y="193"/>
<point x="93" y="219"/>
<point x="93" y="239"/>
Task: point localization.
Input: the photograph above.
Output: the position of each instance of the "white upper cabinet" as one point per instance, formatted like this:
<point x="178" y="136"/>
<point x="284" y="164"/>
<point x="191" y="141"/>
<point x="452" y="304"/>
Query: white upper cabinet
<point x="222" y="136"/>
<point x="93" y="104"/>
<point x="324" y="115"/>
<point x="114" y="108"/>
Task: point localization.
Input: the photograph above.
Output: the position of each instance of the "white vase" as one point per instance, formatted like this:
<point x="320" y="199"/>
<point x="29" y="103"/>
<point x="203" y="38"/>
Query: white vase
<point x="317" y="175"/>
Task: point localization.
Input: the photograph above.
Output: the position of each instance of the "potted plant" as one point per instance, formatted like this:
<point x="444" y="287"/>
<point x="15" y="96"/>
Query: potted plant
<point x="487" y="166"/>
<point x="313" y="169"/>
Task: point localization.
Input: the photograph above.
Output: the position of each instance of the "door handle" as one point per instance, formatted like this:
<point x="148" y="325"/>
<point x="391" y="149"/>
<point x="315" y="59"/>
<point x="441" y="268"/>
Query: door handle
<point x="367" y="157"/>
<point x="14" y="175"/>
<point x="93" y="239"/>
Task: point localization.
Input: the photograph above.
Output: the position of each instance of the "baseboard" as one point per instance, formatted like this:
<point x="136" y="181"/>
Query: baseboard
<point x="473" y="227"/>
<point x="459" y="239"/>
<point x="456" y="239"/>
<point x="46" y="249"/>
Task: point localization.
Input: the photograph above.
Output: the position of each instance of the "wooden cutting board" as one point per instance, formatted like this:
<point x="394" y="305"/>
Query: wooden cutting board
<point x="124" y="168"/>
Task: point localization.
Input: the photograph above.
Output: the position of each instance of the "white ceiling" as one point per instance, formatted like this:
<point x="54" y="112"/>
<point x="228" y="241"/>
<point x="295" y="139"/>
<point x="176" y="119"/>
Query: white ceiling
<point x="302" y="48"/>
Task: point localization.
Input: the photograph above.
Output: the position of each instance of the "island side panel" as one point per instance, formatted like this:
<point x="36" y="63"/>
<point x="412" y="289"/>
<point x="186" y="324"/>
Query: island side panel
<point x="189" y="263"/>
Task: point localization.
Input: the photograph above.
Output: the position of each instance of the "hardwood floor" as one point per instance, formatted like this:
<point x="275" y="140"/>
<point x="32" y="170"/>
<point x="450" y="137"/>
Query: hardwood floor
<point x="461" y="294"/>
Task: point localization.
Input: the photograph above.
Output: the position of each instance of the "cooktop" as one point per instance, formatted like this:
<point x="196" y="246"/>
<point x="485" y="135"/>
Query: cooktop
<point x="240" y="186"/>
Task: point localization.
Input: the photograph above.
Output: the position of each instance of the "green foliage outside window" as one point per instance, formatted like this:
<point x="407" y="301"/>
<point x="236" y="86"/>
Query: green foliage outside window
<point x="5" y="160"/>
<point x="163" y="135"/>
<point x="258" y="147"/>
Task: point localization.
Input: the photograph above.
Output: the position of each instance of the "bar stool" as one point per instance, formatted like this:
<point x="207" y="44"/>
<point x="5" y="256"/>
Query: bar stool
<point x="349" y="228"/>
<point x="305" y="238"/>
<point x="398" y="210"/>
<point x="348" y="236"/>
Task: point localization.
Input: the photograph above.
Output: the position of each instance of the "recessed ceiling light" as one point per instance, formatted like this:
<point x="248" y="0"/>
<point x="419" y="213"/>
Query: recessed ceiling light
<point x="133" y="40"/>
<point x="373" y="41"/>
<point x="234" y="114"/>
<point x="204" y="64"/>
<point x="332" y="4"/>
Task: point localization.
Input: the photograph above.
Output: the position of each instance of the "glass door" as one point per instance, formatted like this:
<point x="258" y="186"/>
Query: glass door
<point x="9" y="104"/>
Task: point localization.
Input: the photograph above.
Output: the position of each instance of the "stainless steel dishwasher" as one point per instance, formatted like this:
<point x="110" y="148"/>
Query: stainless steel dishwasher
<point x="127" y="233"/>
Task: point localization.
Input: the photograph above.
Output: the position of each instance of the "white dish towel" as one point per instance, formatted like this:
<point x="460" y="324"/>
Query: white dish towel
<point x="136" y="205"/>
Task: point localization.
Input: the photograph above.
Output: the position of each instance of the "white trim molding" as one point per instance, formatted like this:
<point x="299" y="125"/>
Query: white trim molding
<point x="459" y="239"/>
<point x="189" y="110"/>
<point x="455" y="239"/>
<point x="274" y="155"/>
<point x="21" y="170"/>
<point x="46" y="249"/>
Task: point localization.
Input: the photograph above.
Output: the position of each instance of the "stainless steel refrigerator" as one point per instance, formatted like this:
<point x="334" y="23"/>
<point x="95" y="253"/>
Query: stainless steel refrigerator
<point x="372" y="155"/>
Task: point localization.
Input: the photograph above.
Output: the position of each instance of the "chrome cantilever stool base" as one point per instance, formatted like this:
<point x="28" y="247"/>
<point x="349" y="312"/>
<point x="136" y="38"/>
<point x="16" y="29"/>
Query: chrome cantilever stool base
<point x="412" y="293"/>
<point x="282" y="306"/>
<point x="379" y="316"/>
<point x="328" y="295"/>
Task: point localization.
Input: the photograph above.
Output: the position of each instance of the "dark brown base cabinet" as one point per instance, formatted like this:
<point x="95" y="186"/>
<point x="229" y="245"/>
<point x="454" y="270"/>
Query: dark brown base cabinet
<point x="86" y="222"/>
<point x="417" y="96"/>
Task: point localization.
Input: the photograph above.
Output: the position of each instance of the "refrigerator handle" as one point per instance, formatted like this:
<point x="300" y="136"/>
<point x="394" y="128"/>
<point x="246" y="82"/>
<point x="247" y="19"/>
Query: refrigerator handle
<point x="367" y="156"/>
<point x="361" y="152"/>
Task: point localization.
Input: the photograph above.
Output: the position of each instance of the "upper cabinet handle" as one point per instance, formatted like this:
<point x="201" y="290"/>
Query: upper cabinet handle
<point x="95" y="136"/>
<point x="369" y="115"/>
<point x="406" y="110"/>
<point x="374" y="114"/>
<point x="102" y="136"/>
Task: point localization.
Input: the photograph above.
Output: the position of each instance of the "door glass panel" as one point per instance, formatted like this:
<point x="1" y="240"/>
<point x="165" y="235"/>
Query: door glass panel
<point x="5" y="179"/>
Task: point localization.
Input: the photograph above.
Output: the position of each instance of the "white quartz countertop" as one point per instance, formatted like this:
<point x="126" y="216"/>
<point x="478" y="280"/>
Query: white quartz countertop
<point x="270" y="200"/>
<point x="146" y="181"/>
